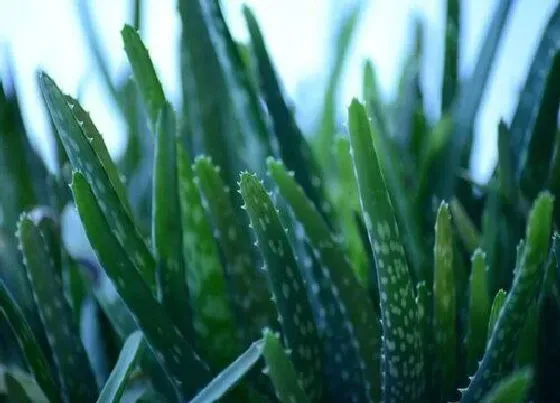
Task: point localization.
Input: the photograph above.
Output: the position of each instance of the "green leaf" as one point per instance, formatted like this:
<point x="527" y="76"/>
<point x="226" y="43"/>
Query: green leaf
<point x="130" y="354"/>
<point x="534" y="121"/>
<point x="467" y="231"/>
<point x="293" y="147"/>
<point x="295" y="313"/>
<point x="402" y="344"/>
<point x="444" y="302"/>
<point x="166" y="225"/>
<point x="144" y="72"/>
<point x="500" y="352"/>
<point x="213" y="317"/>
<point x="249" y="292"/>
<point x="479" y="310"/>
<point x="505" y="169"/>
<point x="230" y="376"/>
<point x="512" y="389"/>
<point x="281" y="371"/>
<point x="452" y="51"/>
<point x="83" y="147"/>
<point x="168" y="342"/>
<point x="76" y="376"/>
<point x="328" y="117"/>
<point x="20" y="387"/>
<point x="468" y="102"/>
<point x="349" y="297"/>
<point x="34" y="356"/>
<point x="425" y="308"/>
<point x="495" y="310"/>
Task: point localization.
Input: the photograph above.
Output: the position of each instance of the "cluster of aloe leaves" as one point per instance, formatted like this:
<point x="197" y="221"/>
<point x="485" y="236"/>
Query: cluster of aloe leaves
<point x="239" y="260"/>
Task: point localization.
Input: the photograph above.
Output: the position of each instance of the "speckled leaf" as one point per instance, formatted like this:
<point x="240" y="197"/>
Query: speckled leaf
<point x="281" y="371"/>
<point x="130" y="354"/>
<point x="290" y="296"/>
<point x="213" y="317"/>
<point x="293" y="147"/>
<point x="20" y="387"/>
<point x="167" y="233"/>
<point x="479" y="310"/>
<point x="467" y="231"/>
<point x="500" y="352"/>
<point x="249" y="292"/>
<point x="402" y="344"/>
<point x="78" y="144"/>
<point x="169" y="343"/>
<point x="76" y="376"/>
<point x="230" y="376"/>
<point x="444" y="302"/>
<point x="350" y="299"/>
<point x="425" y="307"/>
<point x="512" y="389"/>
<point x="144" y="72"/>
<point x="34" y="356"/>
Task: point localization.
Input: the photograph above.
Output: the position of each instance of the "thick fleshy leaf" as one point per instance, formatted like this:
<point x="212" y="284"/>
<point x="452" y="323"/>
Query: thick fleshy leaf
<point x="166" y="225"/>
<point x="34" y="356"/>
<point x="452" y="51"/>
<point x="350" y="299"/>
<point x="500" y="352"/>
<point x="169" y="343"/>
<point x="512" y="389"/>
<point x="20" y="387"/>
<point x="290" y="296"/>
<point x="402" y="343"/>
<point x="281" y="371"/>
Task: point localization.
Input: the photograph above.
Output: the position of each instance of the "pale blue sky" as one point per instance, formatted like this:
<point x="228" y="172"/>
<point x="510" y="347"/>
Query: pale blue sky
<point x="46" y="34"/>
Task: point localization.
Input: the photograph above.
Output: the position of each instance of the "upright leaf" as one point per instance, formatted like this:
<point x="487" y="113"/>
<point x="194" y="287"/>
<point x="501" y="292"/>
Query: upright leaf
<point x="34" y="356"/>
<point x="247" y="285"/>
<point x="495" y="310"/>
<point x="76" y="377"/>
<point x="402" y="344"/>
<point x="168" y="342"/>
<point x="295" y="314"/>
<point x="350" y="298"/>
<point x="444" y="302"/>
<point x="166" y="226"/>
<point x="128" y="357"/>
<point x="512" y="389"/>
<point x="500" y="352"/>
<point x="452" y="51"/>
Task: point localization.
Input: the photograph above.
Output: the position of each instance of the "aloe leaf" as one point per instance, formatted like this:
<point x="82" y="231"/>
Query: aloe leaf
<point x="144" y="72"/>
<point x="166" y="225"/>
<point x="468" y="101"/>
<point x="281" y="371"/>
<point x="205" y="276"/>
<point x="534" y="121"/>
<point x="512" y="389"/>
<point x="526" y="353"/>
<point x="452" y="51"/>
<point x="230" y="376"/>
<point x="128" y="357"/>
<point x="350" y="298"/>
<point x="505" y="169"/>
<point x="20" y="387"/>
<point x="467" y="231"/>
<point x="209" y="108"/>
<point x="499" y="355"/>
<point x="76" y="377"/>
<point x="402" y="345"/>
<point x="249" y="291"/>
<point x="293" y="147"/>
<point x="34" y="356"/>
<point x="425" y="308"/>
<point x="328" y="116"/>
<point x="295" y="314"/>
<point x="495" y="310"/>
<point x="479" y="310"/>
<point x="166" y="340"/>
<point x="445" y="301"/>
<point x="84" y="149"/>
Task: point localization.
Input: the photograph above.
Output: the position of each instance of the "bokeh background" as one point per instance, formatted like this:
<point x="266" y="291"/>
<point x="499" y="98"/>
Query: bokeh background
<point x="300" y="36"/>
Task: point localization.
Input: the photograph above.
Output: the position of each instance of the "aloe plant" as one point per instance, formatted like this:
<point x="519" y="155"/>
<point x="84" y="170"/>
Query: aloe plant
<point x="236" y="258"/>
